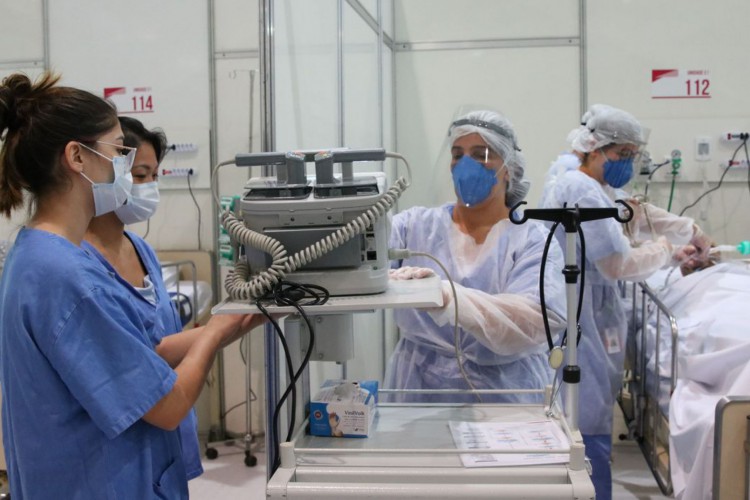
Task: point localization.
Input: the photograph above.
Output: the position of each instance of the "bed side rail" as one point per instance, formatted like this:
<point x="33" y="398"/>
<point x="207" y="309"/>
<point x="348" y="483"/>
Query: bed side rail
<point x="178" y="265"/>
<point x="651" y="422"/>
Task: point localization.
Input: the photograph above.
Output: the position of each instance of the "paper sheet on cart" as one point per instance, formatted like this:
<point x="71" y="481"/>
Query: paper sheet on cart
<point x="541" y="435"/>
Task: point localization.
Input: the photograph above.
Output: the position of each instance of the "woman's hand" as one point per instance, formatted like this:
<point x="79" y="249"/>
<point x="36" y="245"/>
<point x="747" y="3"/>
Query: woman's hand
<point x="410" y="273"/>
<point x="231" y="327"/>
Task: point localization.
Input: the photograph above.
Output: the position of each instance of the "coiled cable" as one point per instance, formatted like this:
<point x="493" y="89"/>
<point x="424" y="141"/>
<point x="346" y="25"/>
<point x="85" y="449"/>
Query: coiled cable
<point x="240" y="285"/>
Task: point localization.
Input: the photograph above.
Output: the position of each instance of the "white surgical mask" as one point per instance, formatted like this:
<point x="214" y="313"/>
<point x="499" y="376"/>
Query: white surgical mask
<point x="110" y="196"/>
<point x="141" y="204"/>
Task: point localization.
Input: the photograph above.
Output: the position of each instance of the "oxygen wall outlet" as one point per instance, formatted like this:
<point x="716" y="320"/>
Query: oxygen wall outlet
<point x="702" y="149"/>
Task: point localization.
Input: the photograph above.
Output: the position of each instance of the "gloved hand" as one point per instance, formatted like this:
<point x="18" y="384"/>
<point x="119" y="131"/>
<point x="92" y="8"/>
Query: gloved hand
<point x="410" y="273"/>
<point x="702" y="243"/>
<point x="690" y="259"/>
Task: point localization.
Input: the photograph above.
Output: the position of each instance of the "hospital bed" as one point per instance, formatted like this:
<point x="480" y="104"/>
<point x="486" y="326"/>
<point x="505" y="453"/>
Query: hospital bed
<point x="187" y="276"/>
<point x="688" y="347"/>
<point x="731" y="452"/>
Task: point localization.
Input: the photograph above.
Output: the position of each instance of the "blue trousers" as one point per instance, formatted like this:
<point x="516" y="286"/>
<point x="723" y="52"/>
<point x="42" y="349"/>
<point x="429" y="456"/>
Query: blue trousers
<point x="599" y="451"/>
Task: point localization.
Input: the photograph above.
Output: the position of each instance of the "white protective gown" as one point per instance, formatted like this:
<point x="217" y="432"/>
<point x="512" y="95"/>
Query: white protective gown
<point x="502" y="332"/>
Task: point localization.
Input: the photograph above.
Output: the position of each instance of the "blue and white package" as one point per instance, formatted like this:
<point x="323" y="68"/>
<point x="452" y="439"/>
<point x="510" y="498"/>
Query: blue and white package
<point x="344" y="408"/>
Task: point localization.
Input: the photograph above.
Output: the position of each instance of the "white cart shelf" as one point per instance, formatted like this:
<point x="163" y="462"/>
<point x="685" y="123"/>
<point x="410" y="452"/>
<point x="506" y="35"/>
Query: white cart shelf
<point x="411" y="454"/>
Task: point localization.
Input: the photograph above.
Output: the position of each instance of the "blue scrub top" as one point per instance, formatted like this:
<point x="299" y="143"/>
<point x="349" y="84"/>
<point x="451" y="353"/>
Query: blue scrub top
<point x="167" y="322"/>
<point x="78" y="372"/>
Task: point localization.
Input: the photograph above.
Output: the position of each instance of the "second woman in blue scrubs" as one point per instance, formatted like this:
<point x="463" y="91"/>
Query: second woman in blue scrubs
<point x="134" y="261"/>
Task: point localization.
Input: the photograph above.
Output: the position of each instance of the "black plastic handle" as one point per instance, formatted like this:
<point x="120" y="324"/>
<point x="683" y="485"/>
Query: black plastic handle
<point x="570" y="217"/>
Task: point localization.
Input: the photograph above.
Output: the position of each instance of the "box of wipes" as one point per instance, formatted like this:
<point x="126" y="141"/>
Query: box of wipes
<point x="344" y="408"/>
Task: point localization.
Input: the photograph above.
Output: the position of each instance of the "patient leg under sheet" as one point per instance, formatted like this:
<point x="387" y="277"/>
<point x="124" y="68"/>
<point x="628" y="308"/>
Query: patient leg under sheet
<point x="704" y="379"/>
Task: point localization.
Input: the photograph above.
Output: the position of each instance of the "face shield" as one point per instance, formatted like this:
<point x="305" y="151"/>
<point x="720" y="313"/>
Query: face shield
<point x="480" y="154"/>
<point x="496" y="150"/>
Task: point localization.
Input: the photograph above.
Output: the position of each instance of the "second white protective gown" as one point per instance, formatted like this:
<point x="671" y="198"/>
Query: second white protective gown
<point x="502" y="332"/>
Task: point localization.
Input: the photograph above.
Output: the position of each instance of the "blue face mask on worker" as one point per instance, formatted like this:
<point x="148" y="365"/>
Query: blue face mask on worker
<point x="108" y="196"/>
<point x="617" y="173"/>
<point x="472" y="180"/>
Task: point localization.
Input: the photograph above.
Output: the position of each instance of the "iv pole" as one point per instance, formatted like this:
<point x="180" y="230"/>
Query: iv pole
<point x="571" y="219"/>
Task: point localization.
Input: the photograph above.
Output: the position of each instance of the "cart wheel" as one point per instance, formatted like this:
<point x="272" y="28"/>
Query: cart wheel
<point x="250" y="460"/>
<point x="211" y="453"/>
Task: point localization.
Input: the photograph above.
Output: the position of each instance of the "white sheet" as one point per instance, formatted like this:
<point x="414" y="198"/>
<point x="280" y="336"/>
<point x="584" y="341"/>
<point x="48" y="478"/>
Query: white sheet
<point x="714" y="349"/>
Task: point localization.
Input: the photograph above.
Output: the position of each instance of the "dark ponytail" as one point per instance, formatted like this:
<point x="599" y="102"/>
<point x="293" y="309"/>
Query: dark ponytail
<point x="37" y="120"/>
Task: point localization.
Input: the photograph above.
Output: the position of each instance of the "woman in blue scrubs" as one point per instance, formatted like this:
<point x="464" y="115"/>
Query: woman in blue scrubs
<point x="134" y="261"/>
<point x="90" y="405"/>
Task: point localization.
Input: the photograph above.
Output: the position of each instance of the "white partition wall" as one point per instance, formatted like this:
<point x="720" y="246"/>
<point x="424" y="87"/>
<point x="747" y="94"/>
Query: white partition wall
<point x="519" y="57"/>
<point x="159" y="47"/>
<point x="236" y="98"/>
<point x="333" y="89"/>
<point x="689" y="36"/>
<point x="23" y="44"/>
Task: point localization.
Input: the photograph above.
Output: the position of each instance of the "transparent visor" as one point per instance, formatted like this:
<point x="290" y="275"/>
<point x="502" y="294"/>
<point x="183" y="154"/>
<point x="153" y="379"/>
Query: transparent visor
<point x="622" y="152"/>
<point x="481" y="154"/>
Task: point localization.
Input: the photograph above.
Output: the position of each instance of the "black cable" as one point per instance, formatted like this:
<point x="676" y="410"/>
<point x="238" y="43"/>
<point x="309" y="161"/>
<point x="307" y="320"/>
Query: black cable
<point x="542" y="302"/>
<point x="196" y="206"/>
<point x="648" y="179"/>
<point x="296" y="295"/>
<point x="286" y="293"/>
<point x="148" y="227"/>
<point x="224" y="415"/>
<point x="287" y="356"/>
<point x="721" y="179"/>
<point x="242" y="349"/>
<point x="583" y="283"/>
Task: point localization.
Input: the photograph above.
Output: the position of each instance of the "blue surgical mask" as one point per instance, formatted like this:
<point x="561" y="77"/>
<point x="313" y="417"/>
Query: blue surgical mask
<point x="473" y="181"/>
<point x="617" y="173"/>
